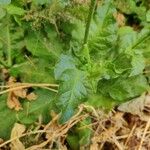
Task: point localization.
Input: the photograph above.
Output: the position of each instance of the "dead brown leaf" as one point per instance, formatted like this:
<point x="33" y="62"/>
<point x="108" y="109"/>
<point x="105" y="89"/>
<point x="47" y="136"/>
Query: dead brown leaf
<point x="13" y="102"/>
<point x="17" y="131"/>
<point x="4" y="73"/>
<point x="14" y="96"/>
<point x="110" y="131"/>
<point x="31" y="96"/>
<point x="1" y="140"/>
<point x="139" y="106"/>
<point x="22" y="93"/>
<point x="120" y="19"/>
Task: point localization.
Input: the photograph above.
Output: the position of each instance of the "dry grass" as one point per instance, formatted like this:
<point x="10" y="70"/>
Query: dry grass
<point x="113" y="131"/>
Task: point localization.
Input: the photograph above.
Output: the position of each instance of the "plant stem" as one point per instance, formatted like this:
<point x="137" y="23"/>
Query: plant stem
<point x="8" y="45"/>
<point x="90" y="16"/>
<point x="3" y="63"/>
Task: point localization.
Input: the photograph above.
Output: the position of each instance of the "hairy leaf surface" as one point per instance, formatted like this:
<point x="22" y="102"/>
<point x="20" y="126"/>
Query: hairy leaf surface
<point x="40" y="46"/>
<point x="72" y="92"/>
<point x="123" y="88"/>
<point x="38" y="71"/>
<point x="103" y="31"/>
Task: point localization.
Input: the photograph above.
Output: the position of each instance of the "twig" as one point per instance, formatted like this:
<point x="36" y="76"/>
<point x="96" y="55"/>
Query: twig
<point x="25" y="134"/>
<point x="145" y="131"/>
<point x="129" y="136"/>
<point x="27" y="86"/>
<point x="112" y="137"/>
<point x="62" y="130"/>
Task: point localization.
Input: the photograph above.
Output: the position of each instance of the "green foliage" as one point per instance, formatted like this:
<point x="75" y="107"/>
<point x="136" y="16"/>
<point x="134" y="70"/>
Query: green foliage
<point x="113" y="59"/>
<point x="84" y="132"/>
<point x="11" y="39"/>
<point x="41" y="107"/>
<point x="14" y="10"/>
<point x="101" y="101"/>
<point x="8" y="118"/>
<point x="132" y="7"/>
<point x="5" y="2"/>
<point x="80" y="135"/>
<point x="65" y="62"/>
<point x="131" y="46"/>
<point x="73" y="141"/>
<point x="71" y="92"/>
<point x="123" y="88"/>
<point x="148" y="16"/>
<point x="30" y="113"/>
<point x="103" y="31"/>
<point x="38" y="71"/>
<point x="39" y="46"/>
<point x="73" y="88"/>
<point x="43" y="42"/>
<point x="41" y="1"/>
<point x="2" y="12"/>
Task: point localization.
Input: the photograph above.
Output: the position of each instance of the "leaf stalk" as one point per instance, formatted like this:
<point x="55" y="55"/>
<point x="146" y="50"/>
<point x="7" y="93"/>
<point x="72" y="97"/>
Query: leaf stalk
<point x="8" y="47"/>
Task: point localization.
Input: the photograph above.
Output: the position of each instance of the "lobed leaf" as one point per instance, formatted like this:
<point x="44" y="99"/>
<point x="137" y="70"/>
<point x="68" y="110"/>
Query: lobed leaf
<point x="123" y="88"/>
<point x="103" y="31"/>
<point x="72" y="92"/>
<point x="65" y="62"/>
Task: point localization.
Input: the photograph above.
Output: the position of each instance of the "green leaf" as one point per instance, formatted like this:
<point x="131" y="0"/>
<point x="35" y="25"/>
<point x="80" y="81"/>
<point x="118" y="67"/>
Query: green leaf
<point x="73" y="140"/>
<point x="8" y="118"/>
<point x="65" y="62"/>
<point x="138" y="65"/>
<point x="14" y="10"/>
<point x="131" y="41"/>
<point x="72" y="92"/>
<point x="123" y="88"/>
<point x="103" y="31"/>
<point x="2" y="12"/>
<point x="84" y="132"/>
<point x="30" y="113"/>
<point x="41" y="106"/>
<point x="147" y="70"/>
<point x="101" y="101"/>
<point x="146" y="52"/>
<point x="74" y="86"/>
<point x="127" y="36"/>
<point x="53" y="36"/>
<point x="131" y="7"/>
<point x="38" y="71"/>
<point x="79" y="11"/>
<point x="41" y="2"/>
<point x="41" y="46"/>
<point x="11" y="41"/>
<point x="122" y="63"/>
<point x="5" y="2"/>
<point x="131" y="46"/>
<point x="80" y="136"/>
<point x="127" y="6"/>
<point x="78" y="30"/>
<point x="148" y="16"/>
